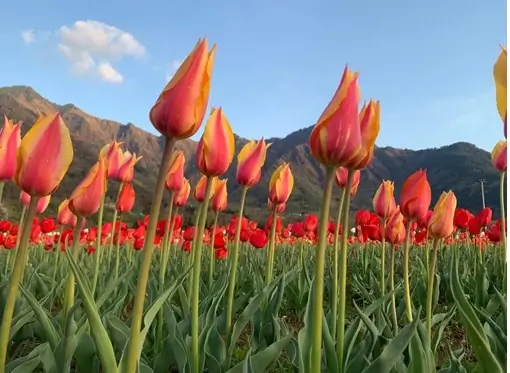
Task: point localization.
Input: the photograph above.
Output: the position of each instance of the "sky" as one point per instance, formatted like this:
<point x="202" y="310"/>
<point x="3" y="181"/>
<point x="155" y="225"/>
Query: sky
<point x="278" y="62"/>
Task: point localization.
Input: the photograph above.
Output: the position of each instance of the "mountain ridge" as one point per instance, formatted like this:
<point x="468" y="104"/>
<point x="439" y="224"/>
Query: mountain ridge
<point x="457" y="166"/>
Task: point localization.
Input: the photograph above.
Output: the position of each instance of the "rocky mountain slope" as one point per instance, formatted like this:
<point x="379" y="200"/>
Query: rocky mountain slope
<point x="456" y="167"/>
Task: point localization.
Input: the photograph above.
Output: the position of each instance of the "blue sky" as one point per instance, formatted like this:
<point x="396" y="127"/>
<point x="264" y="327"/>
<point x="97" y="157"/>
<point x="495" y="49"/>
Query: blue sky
<point x="278" y="62"/>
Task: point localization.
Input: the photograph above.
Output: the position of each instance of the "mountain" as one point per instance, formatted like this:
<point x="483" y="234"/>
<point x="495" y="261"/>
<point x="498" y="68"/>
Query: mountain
<point x="455" y="167"/>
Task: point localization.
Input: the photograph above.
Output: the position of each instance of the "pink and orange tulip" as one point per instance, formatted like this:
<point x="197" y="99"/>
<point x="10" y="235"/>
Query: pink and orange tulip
<point x="219" y="199"/>
<point x="216" y="148"/>
<point x="498" y="156"/>
<point x="395" y="228"/>
<point x="113" y="154"/>
<point x="341" y="175"/>
<point x="199" y="192"/>
<point x="181" y="197"/>
<point x="250" y="161"/>
<point x="44" y="156"/>
<point x="384" y="200"/>
<point x="336" y="138"/>
<point x="415" y="196"/>
<point x="126" y="199"/>
<point x="175" y="175"/>
<point x="87" y="196"/>
<point x="441" y="223"/>
<point x="127" y="168"/>
<point x="10" y="139"/>
<point x="64" y="214"/>
<point x="42" y="203"/>
<point x="281" y="184"/>
<point x="180" y="108"/>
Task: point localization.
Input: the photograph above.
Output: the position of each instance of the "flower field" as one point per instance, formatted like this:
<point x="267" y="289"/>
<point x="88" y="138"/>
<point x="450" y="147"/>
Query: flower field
<point x="409" y="287"/>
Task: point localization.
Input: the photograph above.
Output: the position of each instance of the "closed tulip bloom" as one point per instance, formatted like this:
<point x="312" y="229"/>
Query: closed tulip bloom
<point x="10" y="139"/>
<point x="341" y="175"/>
<point x="370" y="118"/>
<point x="87" y="196"/>
<point x="42" y="204"/>
<point x="127" y="169"/>
<point x="279" y="208"/>
<point x="500" y="81"/>
<point x="114" y="155"/>
<point x="126" y="199"/>
<point x="498" y="156"/>
<point x="415" y="196"/>
<point x="250" y="161"/>
<point x="395" y="228"/>
<point x="64" y="215"/>
<point x="216" y="148"/>
<point x="384" y="199"/>
<point x="281" y="184"/>
<point x="181" y="197"/>
<point x="180" y="108"/>
<point x="441" y="222"/>
<point x="336" y="138"/>
<point x="199" y="192"/>
<point x="219" y="199"/>
<point x="175" y="176"/>
<point x="44" y="156"/>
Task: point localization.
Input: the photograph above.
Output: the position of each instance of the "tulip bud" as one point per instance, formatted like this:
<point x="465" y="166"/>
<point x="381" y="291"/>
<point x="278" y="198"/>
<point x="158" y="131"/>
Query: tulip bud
<point x="216" y="148"/>
<point x="384" y="200"/>
<point x="10" y="139"/>
<point x="181" y="197"/>
<point x="127" y="168"/>
<point x="250" y="161"/>
<point x="441" y="222"/>
<point x="113" y="154"/>
<point x="126" y="199"/>
<point x="498" y="156"/>
<point x="341" y="175"/>
<point x="279" y="208"/>
<point x="281" y="184"/>
<point x="199" y="192"/>
<point x="415" y="196"/>
<point x="87" y="196"/>
<point x="395" y="228"/>
<point x="180" y="108"/>
<point x="175" y="176"/>
<point x="219" y="199"/>
<point x="64" y="215"/>
<point x="336" y="138"/>
<point x="42" y="204"/>
<point x="44" y="156"/>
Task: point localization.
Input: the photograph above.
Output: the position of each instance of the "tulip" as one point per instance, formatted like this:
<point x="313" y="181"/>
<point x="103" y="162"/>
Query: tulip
<point x="199" y="192"/>
<point x="127" y="168"/>
<point x="10" y="139"/>
<point x="44" y="156"/>
<point x="114" y="157"/>
<point x="441" y="223"/>
<point x="216" y="147"/>
<point x="126" y="199"/>
<point x="384" y="200"/>
<point x="219" y="199"/>
<point x="500" y="82"/>
<point x="175" y="176"/>
<point x="180" y="108"/>
<point x="369" y="126"/>
<point x="64" y="215"/>
<point x="42" y="203"/>
<point x="250" y="160"/>
<point x="395" y="228"/>
<point x="279" y="208"/>
<point x="415" y="196"/>
<point x="341" y="175"/>
<point x="498" y="156"/>
<point x="181" y="197"/>
<point x="87" y="196"/>
<point x="281" y="184"/>
<point x="336" y="138"/>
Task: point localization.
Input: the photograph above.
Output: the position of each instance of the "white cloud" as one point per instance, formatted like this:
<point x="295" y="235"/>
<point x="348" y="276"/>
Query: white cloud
<point x="28" y="36"/>
<point x="109" y="74"/>
<point x="86" y="42"/>
<point x="173" y="69"/>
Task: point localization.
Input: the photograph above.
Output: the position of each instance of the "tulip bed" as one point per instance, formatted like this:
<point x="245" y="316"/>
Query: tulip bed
<point x="269" y="318"/>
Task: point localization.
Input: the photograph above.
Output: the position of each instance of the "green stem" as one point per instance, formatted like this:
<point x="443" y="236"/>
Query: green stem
<point x="503" y="228"/>
<point x="342" y="288"/>
<point x="99" y="252"/>
<point x="212" y="257"/>
<point x="430" y="289"/>
<point x="392" y="287"/>
<point x="75" y="251"/>
<point x="133" y="354"/>
<point x="56" y="255"/>
<point x="334" y="302"/>
<point x="117" y="250"/>
<point x="2" y="184"/>
<point x="197" y="264"/>
<point x="234" y="262"/>
<point x="114" y="222"/>
<point x="318" y="283"/>
<point x="12" y="288"/>
<point x="272" y="248"/>
<point x="405" y="267"/>
<point x="162" y="272"/>
<point x="193" y="244"/>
